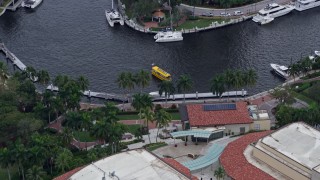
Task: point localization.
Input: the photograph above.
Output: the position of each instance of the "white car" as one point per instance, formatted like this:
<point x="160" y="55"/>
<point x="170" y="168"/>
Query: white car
<point x="225" y="14"/>
<point x="238" y="13"/>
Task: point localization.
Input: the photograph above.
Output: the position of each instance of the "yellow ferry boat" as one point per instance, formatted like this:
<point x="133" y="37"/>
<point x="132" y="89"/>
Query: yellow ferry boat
<point x="160" y="73"/>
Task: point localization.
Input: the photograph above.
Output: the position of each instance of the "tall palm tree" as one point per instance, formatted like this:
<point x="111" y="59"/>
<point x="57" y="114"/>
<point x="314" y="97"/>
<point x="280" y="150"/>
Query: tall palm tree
<point x="229" y="79"/>
<point x="219" y="173"/>
<point x="141" y="101"/>
<point x="125" y="81"/>
<point x="83" y="83"/>
<point x="6" y="160"/>
<point x="162" y="118"/>
<point x="100" y="130"/>
<point x="148" y="115"/>
<point x="238" y="80"/>
<point x="142" y="79"/>
<point x="251" y="78"/>
<point x="31" y="73"/>
<point x="43" y="77"/>
<point x="184" y="84"/>
<point x="20" y="155"/>
<point x="218" y="85"/>
<point x="35" y="173"/>
<point x="86" y="123"/>
<point x="3" y="73"/>
<point x="66" y="136"/>
<point x="64" y="159"/>
<point x="60" y="81"/>
<point x="167" y="88"/>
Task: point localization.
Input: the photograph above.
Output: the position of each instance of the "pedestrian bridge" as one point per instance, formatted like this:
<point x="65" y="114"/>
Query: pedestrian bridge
<point x="212" y="156"/>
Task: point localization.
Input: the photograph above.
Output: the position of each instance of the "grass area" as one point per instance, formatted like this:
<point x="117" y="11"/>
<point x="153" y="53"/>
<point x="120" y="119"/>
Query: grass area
<point x="175" y="116"/>
<point x="13" y="172"/>
<point x="133" y="128"/>
<point x="310" y="76"/>
<point x="83" y="136"/>
<point x="303" y="97"/>
<point x="200" y="23"/>
<point x="154" y="146"/>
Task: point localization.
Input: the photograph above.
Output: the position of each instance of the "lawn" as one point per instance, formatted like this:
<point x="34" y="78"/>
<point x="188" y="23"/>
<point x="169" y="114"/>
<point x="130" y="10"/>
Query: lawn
<point x="154" y="146"/>
<point x="83" y="136"/>
<point x="200" y="23"/>
<point x="175" y="116"/>
<point x="133" y="128"/>
<point x="303" y="92"/>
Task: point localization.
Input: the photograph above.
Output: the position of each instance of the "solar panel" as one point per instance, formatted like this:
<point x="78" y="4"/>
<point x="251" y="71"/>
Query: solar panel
<point x="219" y="107"/>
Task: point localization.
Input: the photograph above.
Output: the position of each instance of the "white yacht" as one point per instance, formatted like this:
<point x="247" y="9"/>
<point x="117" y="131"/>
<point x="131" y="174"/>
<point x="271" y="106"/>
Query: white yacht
<point x="272" y="11"/>
<point x="316" y="54"/>
<point x="31" y="3"/>
<point x="113" y="16"/>
<point x="301" y="5"/>
<point x="169" y="36"/>
<point x="280" y="70"/>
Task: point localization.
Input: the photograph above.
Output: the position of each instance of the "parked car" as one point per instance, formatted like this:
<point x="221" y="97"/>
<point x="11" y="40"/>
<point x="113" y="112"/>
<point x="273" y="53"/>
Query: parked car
<point x="225" y="14"/>
<point x="238" y="13"/>
<point x="207" y="14"/>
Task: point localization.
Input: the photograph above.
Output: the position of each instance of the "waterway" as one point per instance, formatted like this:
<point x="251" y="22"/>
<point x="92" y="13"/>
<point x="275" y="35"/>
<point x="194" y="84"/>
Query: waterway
<point x="73" y="38"/>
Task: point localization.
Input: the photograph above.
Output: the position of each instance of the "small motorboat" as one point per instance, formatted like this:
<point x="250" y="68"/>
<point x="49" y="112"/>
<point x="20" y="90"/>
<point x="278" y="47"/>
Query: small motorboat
<point x="282" y="71"/>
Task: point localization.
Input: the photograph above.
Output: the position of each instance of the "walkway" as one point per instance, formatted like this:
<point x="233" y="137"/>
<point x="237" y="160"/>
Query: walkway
<point x="248" y="9"/>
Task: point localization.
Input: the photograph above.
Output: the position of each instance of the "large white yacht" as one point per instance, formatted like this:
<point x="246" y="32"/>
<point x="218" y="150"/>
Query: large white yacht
<point x="31" y="3"/>
<point x="272" y="11"/>
<point x="280" y="70"/>
<point x="301" y="5"/>
<point x="168" y="36"/>
<point x="113" y="16"/>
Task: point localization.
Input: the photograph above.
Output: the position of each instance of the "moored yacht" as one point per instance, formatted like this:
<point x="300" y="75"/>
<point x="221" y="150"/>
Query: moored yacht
<point x="169" y="36"/>
<point x="272" y="11"/>
<point x="31" y="3"/>
<point x="280" y="70"/>
<point x="113" y="16"/>
<point x="301" y="5"/>
<point x="316" y="54"/>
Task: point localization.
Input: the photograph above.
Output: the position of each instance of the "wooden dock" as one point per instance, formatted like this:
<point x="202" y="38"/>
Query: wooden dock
<point x="100" y="95"/>
<point x="9" y="55"/>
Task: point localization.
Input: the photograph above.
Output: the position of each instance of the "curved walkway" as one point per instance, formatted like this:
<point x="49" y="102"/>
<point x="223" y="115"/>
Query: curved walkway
<point x="235" y="163"/>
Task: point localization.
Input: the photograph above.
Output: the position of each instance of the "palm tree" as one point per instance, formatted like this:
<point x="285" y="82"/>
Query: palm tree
<point x="43" y="77"/>
<point x="229" y="79"/>
<point x="126" y="81"/>
<point x="142" y="79"/>
<point x="238" y="80"/>
<point x="251" y="78"/>
<point x="100" y="130"/>
<point x="64" y="159"/>
<point x="218" y="85"/>
<point x="31" y="73"/>
<point x="148" y="115"/>
<point x="162" y="118"/>
<point x="86" y="123"/>
<point x="83" y="83"/>
<point x="3" y="72"/>
<point x="219" y="173"/>
<point x="167" y="88"/>
<point x="184" y="84"/>
<point x="60" y="81"/>
<point x="66" y="136"/>
<point x="20" y="155"/>
<point x="35" y="173"/>
<point x="141" y="101"/>
<point x="6" y="160"/>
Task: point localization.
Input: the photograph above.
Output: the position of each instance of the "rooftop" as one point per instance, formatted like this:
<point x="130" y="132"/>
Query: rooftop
<point x="297" y="141"/>
<point x="199" y="116"/>
<point x="235" y="163"/>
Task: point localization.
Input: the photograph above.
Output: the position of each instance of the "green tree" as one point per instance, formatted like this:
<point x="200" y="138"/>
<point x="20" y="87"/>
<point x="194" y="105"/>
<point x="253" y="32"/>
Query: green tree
<point x="126" y="81"/>
<point x="238" y="80"/>
<point x="6" y="160"/>
<point x="219" y="173"/>
<point x="251" y="77"/>
<point x="141" y="101"/>
<point x="100" y="130"/>
<point x="64" y="159"/>
<point x="83" y="83"/>
<point x="282" y="94"/>
<point x="3" y="73"/>
<point x="184" y="84"/>
<point x="229" y="79"/>
<point x="142" y="79"/>
<point x="148" y="115"/>
<point x="162" y="118"/>
<point x="66" y="136"/>
<point x="35" y="173"/>
<point x="167" y="88"/>
<point x="294" y="70"/>
<point x="43" y="77"/>
<point x="218" y="85"/>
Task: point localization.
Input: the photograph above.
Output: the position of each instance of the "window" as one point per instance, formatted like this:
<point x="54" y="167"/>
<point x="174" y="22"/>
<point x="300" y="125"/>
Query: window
<point x="257" y="127"/>
<point x="242" y="130"/>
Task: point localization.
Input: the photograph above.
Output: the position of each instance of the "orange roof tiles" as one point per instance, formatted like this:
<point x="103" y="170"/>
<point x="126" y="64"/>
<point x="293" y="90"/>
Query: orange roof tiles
<point x="236" y="165"/>
<point x="199" y="117"/>
<point x="181" y="168"/>
<point x="68" y="174"/>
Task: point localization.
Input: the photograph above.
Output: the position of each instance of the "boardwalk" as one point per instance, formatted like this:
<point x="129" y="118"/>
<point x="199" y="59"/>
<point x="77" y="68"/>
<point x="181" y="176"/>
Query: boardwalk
<point x="12" y="57"/>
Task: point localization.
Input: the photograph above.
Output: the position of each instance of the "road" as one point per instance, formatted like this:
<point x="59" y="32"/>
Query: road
<point x="248" y="9"/>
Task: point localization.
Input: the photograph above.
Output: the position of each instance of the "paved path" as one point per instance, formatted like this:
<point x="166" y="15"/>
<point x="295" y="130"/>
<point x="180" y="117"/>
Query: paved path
<point x="248" y="9"/>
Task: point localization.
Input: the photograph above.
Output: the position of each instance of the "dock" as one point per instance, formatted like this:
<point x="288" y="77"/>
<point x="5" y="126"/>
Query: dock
<point x="156" y="97"/>
<point x="99" y="95"/>
<point x="14" y="5"/>
<point x="9" y="55"/>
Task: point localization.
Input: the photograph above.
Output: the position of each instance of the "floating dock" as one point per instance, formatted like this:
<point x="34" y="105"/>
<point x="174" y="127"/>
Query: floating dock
<point x="100" y="95"/>
<point x="156" y="97"/>
<point x="9" y="55"/>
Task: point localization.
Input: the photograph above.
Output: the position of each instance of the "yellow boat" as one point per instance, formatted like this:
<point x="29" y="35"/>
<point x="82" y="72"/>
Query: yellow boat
<point x="160" y="73"/>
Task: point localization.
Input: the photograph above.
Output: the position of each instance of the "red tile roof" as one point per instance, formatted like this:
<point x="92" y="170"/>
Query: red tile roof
<point x="67" y="175"/>
<point x="236" y="165"/>
<point x="181" y="168"/>
<point x="199" y="117"/>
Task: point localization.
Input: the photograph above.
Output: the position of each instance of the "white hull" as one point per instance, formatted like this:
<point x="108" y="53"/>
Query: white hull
<point x="302" y="7"/>
<point x="112" y="21"/>
<point x="260" y="19"/>
<point x="278" y="70"/>
<point x="266" y="21"/>
<point x="317" y="53"/>
<point x="169" y="36"/>
<point x="32" y="6"/>
<point x="169" y="40"/>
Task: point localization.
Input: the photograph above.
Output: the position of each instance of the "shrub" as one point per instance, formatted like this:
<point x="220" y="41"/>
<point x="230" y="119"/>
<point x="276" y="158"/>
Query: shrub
<point x="157" y="107"/>
<point x="173" y="106"/>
